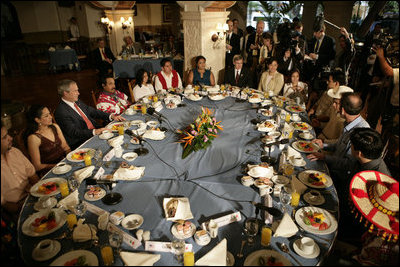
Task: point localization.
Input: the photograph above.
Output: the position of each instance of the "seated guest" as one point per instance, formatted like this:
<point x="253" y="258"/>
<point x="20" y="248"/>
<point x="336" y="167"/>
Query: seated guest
<point x="288" y="61"/>
<point x="111" y="100"/>
<point x="200" y="75"/>
<point x="129" y="46"/>
<point x="171" y="46"/>
<point x="296" y="88"/>
<point x="350" y="108"/>
<point x="167" y="77"/>
<point x="239" y="75"/>
<point x="17" y="175"/>
<point x="271" y="80"/>
<point x="46" y="143"/>
<point x="103" y="58"/>
<point x="77" y="120"/>
<point x="142" y="86"/>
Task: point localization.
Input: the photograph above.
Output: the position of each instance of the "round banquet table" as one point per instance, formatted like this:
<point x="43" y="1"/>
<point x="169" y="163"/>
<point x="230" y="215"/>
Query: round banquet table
<point x="209" y="178"/>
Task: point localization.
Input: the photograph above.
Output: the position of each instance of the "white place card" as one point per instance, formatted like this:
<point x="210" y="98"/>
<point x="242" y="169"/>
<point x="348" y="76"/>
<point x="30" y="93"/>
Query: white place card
<point x="159" y="108"/>
<point x="163" y="246"/>
<point x="99" y="173"/>
<point x="127" y="238"/>
<point x="224" y="220"/>
<point x="109" y="155"/>
<point x="94" y="209"/>
<point x="268" y="203"/>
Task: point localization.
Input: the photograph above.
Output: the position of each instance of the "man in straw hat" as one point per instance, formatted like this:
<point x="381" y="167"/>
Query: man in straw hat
<point x="375" y="203"/>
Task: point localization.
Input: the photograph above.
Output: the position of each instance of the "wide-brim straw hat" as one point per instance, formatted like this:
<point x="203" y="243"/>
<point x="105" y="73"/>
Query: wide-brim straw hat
<point x="338" y="94"/>
<point x="375" y="199"/>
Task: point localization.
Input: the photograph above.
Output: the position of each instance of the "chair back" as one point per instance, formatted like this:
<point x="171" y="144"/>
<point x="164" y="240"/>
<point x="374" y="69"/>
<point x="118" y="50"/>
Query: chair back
<point x="131" y="85"/>
<point x="94" y="97"/>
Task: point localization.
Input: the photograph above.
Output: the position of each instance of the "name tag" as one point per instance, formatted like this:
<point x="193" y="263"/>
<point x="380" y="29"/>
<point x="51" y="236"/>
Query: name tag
<point x="225" y="220"/>
<point x="163" y="246"/>
<point x="99" y="173"/>
<point x="109" y="155"/>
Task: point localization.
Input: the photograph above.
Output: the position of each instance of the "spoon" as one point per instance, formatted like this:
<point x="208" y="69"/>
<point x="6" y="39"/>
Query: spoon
<point x="285" y="249"/>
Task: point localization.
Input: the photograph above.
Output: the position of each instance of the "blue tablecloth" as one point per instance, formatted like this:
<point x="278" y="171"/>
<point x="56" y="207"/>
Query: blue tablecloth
<point x="129" y="68"/>
<point x="210" y="178"/>
<point x="63" y="58"/>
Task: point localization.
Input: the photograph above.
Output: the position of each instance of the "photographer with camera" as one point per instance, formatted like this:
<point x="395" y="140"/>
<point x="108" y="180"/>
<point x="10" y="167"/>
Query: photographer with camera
<point x="345" y="57"/>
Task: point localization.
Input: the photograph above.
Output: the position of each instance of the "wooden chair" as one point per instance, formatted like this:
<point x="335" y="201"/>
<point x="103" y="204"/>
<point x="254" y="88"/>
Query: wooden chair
<point x="131" y="85"/>
<point x="94" y="97"/>
<point x="19" y="142"/>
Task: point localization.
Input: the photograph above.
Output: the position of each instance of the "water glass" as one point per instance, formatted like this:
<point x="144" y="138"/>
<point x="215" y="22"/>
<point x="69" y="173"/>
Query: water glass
<point x="115" y="239"/>
<point x="73" y="184"/>
<point x="80" y="208"/>
<point x="178" y="248"/>
<point x="285" y="198"/>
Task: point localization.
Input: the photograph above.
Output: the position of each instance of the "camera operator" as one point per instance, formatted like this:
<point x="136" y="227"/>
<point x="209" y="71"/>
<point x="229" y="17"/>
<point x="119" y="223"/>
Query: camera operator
<point x="345" y="57"/>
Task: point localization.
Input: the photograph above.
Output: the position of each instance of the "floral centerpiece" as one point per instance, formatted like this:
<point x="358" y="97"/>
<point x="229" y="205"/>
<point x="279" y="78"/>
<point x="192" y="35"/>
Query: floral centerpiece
<point x="200" y="133"/>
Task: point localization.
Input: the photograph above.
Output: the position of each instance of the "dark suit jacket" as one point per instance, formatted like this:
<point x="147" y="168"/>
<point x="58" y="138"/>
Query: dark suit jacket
<point x="251" y="40"/>
<point x="72" y="124"/>
<point x="326" y="53"/>
<point x="245" y="78"/>
<point x="101" y="65"/>
<point x="235" y="43"/>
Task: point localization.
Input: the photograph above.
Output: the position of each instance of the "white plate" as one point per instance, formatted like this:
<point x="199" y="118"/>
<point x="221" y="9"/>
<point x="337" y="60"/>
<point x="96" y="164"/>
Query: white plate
<point x="27" y="228"/>
<point x="38" y="257"/>
<point x="300" y="164"/>
<point x="34" y="189"/>
<point x="230" y="259"/>
<point x="263" y="128"/>
<point x="259" y="171"/>
<point x="295" y="120"/>
<point x="152" y="124"/>
<point x="106" y="135"/>
<point x="280" y="180"/>
<point x="252" y="259"/>
<point x="79" y="150"/>
<point x="260" y="184"/>
<point x="267" y="112"/>
<point x="313" y="255"/>
<point x="329" y="219"/>
<point x="136" y="122"/>
<point x="296" y="145"/>
<point x="301" y="126"/>
<point x="102" y="194"/>
<point x="111" y="126"/>
<point x="174" y="231"/>
<point x="216" y="97"/>
<point x="294" y="108"/>
<point x="128" y="224"/>
<point x="275" y="134"/>
<point x="131" y="156"/>
<point x="91" y="258"/>
<point x="303" y="137"/>
<point x="194" y="97"/>
<point x="266" y="102"/>
<point x="303" y="177"/>
<point x="38" y="205"/>
<point x="255" y="100"/>
<point x="318" y="200"/>
<point x="56" y="169"/>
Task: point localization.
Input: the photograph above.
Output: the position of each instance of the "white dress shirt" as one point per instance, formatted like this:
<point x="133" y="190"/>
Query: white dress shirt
<point x="168" y="80"/>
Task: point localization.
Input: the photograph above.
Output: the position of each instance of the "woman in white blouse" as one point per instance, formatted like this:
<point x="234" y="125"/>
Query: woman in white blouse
<point x="296" y="88"/>
<point x="142" y="87"/>
<point x="271" y="80"/>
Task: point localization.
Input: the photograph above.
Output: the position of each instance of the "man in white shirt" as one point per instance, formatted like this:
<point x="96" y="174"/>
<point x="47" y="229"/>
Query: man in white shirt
<point x="77" y="120"/>
<point x="167" y="77"/>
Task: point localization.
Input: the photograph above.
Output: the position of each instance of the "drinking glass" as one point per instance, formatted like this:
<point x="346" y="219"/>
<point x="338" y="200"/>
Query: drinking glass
<point x="115" y="239"/>
<point x="88" y="160"/>
<point x="71" y="221"/>
<point x="295" y="199"/>
<point x="288" y="169"/>
<point x="188" y="258"/>
<point x="98" y="157"/>
<point x="73" y="184"/>
<point x="144" y="109"/>
<point x="178" y="248"/>
<point x="266" y="234"/>
<point x="285" y="198"/>
<point x="107" y="255"/>
<point x="251" y="230"/>
<point x="64" y="190"/>
<point x="80" y="208"/>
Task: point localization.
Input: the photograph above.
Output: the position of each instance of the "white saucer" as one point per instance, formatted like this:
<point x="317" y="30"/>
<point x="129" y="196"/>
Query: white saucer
<point x="302" y="164"/>
<point x="303" y="137"/>
<point x="130" y="218"/>
<point x="38" y="206"/>
<point x="56" y="169"/>
<point x="280" y="180"/>
<point x="106" y="136"/>
<point x="102" y="194"/>
<point x="313" y="201"/>
<point x="130" y="156"/>
<point x="302" y="254"/>
<point x="152" y="124"/>
<point x="298" y="119"/>
<point x="46" y="256"/>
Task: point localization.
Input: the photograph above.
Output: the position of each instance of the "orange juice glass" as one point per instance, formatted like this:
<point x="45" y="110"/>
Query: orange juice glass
<point x="144" y="109"/>
<point x="295" y="199"/>
<point x="288" y="169"/>
<point x="121" y="130"/>
<point x="155" y="98"/>
<point x="266" y="234"/>
<point x="64" y="190"/>
<point x="88" y="160"/>
<point x="188" y="259"/>
<point x="287" y="117"/>
<point x="107" y="255"/>
<point x="71" y="220"/>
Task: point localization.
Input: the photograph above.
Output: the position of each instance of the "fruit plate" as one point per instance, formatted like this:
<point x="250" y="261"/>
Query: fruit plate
<point x="254" y="258"/>
<point x="78" y="154"/>
<point x="34" y="189"/>
<point x="329" y="219"/>
<point x="90" y="258"/>
<point x="305" y="146"/>
<point x="304" y="177"/>
<point x="29" y="230"/>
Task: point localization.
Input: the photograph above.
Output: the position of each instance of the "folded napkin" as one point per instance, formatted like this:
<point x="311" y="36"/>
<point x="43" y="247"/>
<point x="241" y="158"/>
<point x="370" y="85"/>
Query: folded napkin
<point x="194" y="97"/>
<point x="52" y="49"/>
<point x="154" y="135"/>
<point x="116" y="141"/>
<point x="214" y="89"/>
<point x="83" y="173"/>
<point x="287" y="128"/>
<point x="139" y="259"/>
<point x="182" y="207"/>
<point x="70" y="201"/>
<point x="129" y="173"/>
<point x="297" y="185"/>
<point x="67" y="47"/>
<point x="103" y="220"/>
<point x="84" y="232"/>
<point x="292" y="153"/>
<point x="215" y="257"/>
<point x="286" y="227"/>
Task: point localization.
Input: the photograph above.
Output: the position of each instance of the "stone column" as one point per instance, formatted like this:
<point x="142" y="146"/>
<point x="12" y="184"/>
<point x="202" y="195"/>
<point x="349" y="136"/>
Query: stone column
<point x="117" y="34"/>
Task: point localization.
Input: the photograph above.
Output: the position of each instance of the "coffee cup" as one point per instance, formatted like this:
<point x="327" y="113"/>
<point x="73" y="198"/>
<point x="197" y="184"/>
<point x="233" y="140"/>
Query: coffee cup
<point x="62" y="167"/>
<point x="307" y="135"/>
<point x="213" y="228"/>
<point x="247" y="180"/>
<point x="266" y="190"/>
<point x="45" y="201"/>
<point x="129" y="112"/>
<point x="307" y="245"/>
<point x="314" y="195"/>
<point x="295" y="117"/>
<point x="277" y="190"/>
<point x="297" y="160"/>
<point x="45" y="247"/>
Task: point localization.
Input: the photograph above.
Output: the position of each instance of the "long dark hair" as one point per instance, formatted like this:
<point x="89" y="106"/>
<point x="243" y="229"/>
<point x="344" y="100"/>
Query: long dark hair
<point x="35" y="111"/>
<point x="139" y="77"/>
